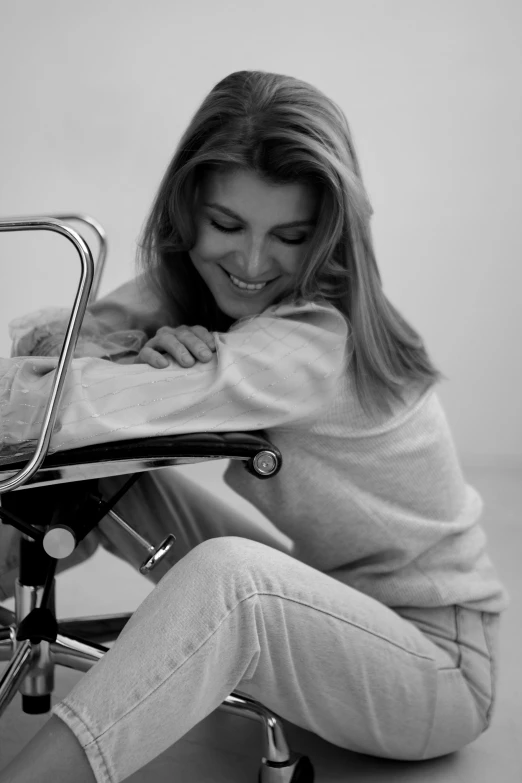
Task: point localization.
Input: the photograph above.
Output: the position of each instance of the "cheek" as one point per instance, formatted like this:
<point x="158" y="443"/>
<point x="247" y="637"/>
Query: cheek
<point x="291" y="262"/>
<point x="210" y="247"/>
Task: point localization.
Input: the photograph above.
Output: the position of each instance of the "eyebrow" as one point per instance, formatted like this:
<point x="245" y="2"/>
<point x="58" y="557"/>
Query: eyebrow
<point x="232" y="214"/>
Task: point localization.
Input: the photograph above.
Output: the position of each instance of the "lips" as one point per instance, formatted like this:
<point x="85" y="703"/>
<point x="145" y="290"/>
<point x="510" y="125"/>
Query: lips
<point x="253" y="282"/>
<point x="247" y="290"/>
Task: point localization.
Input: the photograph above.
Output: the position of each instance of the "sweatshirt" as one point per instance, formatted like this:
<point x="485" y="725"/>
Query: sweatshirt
<point x="379" y="503"/>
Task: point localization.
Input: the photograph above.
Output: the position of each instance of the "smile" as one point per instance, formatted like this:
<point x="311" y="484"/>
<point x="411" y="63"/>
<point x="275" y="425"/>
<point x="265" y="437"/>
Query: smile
<point x="250" y="287"/>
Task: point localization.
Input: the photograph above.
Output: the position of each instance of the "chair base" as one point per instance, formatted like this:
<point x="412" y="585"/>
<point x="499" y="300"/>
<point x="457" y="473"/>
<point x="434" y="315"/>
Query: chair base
<point x="31" y="671"/>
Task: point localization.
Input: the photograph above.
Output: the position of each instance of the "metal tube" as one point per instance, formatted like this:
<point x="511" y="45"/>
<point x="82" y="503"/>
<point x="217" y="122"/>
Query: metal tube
<point x="69" y="344"/>
<point x="75" y="653"/>
<point x="15" y="672"/>
<point x="102" y="255"/>
<point x="275" y="744"/>
<point x="7" y="642"/>
<point x="101" y="629"/>
<point x="130" y="530"/>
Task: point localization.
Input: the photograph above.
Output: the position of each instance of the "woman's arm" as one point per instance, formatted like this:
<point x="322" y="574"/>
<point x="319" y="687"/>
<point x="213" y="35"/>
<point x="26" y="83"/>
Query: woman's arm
<point x="115" y="327"/>
<point x="131" y="306"/>
<point x="279" y="368"/>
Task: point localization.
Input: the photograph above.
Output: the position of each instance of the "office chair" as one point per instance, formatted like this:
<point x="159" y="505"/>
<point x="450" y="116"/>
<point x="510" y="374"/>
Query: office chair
<point x="61" y="491"/>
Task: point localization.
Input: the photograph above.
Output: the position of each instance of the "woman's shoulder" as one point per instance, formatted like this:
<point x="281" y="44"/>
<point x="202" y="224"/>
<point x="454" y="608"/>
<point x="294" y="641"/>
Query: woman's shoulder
<point x="320" y="313"/>
<point x="291" y="306"/>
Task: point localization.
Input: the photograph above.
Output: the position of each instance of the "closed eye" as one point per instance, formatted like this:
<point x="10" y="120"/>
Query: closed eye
<point x="298" y="241"/>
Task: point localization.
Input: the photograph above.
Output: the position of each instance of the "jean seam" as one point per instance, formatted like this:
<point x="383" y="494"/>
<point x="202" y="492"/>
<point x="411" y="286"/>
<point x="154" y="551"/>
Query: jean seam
<point x="457" y="634"/>
<point x="350" y="622"/>
<point x="258" y="594"/>
<point x="492" y="667"/>
<point x="456" y="614"/>
<point x="491" y="661"/>
<point x="94" y="740"/>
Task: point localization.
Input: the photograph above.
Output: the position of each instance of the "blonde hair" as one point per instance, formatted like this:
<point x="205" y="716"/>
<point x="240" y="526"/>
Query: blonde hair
<point x="287" y="131"/>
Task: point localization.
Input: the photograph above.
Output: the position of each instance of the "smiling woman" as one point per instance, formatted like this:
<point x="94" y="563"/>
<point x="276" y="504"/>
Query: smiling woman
<point x="248" y="267"/>
<point x="263" y="308"/>
<point x="275" y="156"/>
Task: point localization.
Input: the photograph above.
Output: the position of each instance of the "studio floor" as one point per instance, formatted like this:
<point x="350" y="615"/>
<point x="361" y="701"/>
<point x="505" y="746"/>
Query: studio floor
<point x="226" y="748"/>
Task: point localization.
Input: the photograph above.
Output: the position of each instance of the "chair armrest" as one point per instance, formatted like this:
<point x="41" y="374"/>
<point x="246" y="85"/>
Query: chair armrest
<point x="78" y="310"/>
<point x="262" y="458"/>
<point x="102" y="253"/>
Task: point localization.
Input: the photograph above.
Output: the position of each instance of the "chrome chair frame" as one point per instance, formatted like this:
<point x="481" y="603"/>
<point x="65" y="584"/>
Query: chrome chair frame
<point x="76" y="642"/>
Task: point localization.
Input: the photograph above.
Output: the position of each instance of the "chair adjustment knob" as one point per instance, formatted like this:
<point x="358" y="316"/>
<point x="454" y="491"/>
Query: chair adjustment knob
<point x="265" y="463"/>
<point x="157" y="555"/>
<point x="59" y="541"/>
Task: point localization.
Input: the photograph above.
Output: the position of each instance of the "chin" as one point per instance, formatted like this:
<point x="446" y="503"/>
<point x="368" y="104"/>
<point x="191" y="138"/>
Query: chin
<point x="238" y="310"/>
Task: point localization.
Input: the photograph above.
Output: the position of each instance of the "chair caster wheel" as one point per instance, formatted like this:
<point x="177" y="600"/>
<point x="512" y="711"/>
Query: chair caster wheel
<point x="36" y="705"/>
<point x="298" y="769"/>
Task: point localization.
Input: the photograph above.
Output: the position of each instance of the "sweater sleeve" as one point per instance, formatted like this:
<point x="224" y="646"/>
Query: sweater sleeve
<point x="280" y="368"/>
<point x="131" y="306"/>
<point x="113" y="328"/>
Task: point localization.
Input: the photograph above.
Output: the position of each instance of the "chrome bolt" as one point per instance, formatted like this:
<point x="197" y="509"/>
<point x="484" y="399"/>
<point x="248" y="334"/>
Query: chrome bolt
<point x="265" y="463"/>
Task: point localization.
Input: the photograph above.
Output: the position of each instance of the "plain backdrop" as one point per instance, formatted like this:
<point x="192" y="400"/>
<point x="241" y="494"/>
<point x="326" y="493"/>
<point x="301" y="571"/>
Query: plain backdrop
<point x="94" y="97"/>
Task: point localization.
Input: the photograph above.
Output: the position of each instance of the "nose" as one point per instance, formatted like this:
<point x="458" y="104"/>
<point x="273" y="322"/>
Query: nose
<point x="253" y="263"/>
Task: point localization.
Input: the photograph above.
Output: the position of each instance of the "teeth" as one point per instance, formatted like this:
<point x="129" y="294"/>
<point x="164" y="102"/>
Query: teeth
<point x="246" y="286"/>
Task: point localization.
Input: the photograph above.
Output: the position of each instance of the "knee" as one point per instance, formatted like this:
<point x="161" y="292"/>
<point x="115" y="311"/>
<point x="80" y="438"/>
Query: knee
<point x="234" y="559"/>
<point x="229" y="551"/>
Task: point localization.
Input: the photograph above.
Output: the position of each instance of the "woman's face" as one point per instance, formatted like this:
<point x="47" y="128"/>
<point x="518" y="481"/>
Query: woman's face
<point x="251" y="238"/>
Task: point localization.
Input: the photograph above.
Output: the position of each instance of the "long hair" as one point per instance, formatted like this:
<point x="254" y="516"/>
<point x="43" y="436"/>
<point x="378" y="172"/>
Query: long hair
<point x="287" y="131"/>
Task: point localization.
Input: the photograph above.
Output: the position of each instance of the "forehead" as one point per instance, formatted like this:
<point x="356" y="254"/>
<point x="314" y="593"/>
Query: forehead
<point x="250" y="196"/>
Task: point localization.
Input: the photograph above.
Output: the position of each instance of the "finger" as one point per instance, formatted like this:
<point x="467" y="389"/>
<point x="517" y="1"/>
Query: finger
<point x="184" y="334"/>
<point x="148" y="355"/>
<point x="197" y="347"/>
<point x="178" y="345"/>
<point x="207" y="337"/>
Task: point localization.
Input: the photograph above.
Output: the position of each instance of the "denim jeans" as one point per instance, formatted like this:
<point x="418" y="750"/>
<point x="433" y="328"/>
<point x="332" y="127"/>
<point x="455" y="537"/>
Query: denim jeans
<point x="233" y="610"/>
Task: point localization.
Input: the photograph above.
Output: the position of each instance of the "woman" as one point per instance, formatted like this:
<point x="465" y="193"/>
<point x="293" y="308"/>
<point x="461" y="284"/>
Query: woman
<point x="377" y="628"/>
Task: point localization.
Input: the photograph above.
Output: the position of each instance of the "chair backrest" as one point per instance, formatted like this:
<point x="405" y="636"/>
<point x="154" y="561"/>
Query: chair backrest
<point x="86" y="292"/>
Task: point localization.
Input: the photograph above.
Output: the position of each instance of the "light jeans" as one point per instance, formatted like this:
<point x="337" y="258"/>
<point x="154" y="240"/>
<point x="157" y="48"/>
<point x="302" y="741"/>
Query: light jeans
<point x="237" y="611"/>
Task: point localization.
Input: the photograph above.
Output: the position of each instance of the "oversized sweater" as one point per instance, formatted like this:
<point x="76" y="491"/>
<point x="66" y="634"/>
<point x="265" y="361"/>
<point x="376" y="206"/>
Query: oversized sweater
<point x="380" y="504"/>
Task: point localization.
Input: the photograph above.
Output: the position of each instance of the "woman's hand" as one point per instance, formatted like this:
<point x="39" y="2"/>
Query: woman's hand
<point x="185" y="344"/>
